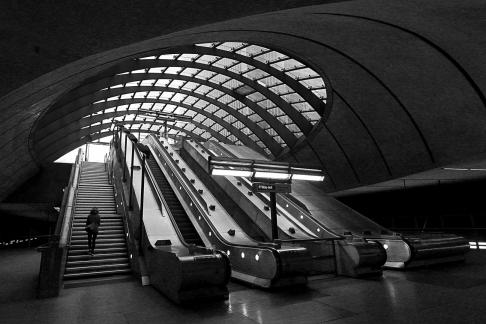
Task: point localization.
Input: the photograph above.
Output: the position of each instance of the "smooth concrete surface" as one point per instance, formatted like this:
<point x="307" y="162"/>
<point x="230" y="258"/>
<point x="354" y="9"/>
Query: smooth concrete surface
<point x="443" y="294"/>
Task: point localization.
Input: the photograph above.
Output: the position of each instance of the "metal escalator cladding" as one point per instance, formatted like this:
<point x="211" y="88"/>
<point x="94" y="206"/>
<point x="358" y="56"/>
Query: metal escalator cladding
<point x="111" y="256"/>
<point x="184" y="224"/>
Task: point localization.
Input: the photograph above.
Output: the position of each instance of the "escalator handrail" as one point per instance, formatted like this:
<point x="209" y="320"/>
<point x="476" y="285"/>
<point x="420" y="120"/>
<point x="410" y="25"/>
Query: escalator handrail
<point x="195" y="196"/>
<point x="160" y="199"/>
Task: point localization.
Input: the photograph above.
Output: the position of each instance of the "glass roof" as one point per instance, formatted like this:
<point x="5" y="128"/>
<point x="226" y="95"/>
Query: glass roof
<point x="232" y="91"/>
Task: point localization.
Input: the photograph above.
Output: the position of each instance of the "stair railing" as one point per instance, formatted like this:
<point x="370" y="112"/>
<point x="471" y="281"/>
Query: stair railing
<point x="54" y="253"/>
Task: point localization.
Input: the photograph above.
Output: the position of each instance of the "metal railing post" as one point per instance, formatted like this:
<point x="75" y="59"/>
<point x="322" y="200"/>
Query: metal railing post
<point x="141" y="205"/>
<point x="124" y="177"/>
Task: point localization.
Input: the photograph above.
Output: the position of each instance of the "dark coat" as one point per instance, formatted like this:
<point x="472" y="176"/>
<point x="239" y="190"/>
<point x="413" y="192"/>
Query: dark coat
<point x="94" y="219"/>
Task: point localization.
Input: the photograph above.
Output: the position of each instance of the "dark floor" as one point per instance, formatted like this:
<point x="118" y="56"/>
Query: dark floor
<point x="442" y="294"/>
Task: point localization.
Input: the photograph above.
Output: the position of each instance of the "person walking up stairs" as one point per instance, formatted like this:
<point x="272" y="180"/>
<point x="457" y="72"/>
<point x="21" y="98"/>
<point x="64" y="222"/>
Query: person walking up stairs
<point x="111" y="260"/>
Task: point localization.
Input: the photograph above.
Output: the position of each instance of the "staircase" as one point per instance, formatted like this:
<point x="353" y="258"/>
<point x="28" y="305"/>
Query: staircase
<point x="110" y="262"/>
<point x="184" y="224"/>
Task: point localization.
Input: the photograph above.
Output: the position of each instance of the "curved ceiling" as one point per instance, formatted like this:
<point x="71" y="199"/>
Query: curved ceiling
<point x="387" y="89"/>
<point x="233" y="92"/>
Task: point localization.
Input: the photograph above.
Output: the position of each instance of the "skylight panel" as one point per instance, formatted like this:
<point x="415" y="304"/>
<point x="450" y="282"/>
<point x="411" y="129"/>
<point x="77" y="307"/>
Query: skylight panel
<point x="314" y="83"/>
<point x="255" y="74"/>
<point x="189" y="72"/>
<point x="207" y="44"/>
<point x="147" y="83"/>
<point x="162" y="82"/>
<point x="270" y="57"/>
<point x="190" y="86"/>
<point x="302" y="73"/>
<point x="132" y="84"/>
<point x="157" y="70"/>
<point x="188" y="57"/>
<point x="207" y="59"/>
<point x="320" y="93"/>
<point x="286" y="65"/>
<point x="167" y="95"/>
<point x="205" y="74"/>
<point x="292" y="98"/>
<point x="179" y="97"/>
<point x="241" y="68"/>
<point x="168" y="56"/>
<point x="224" y="63"/>
<point x="176" y="84"/>
<point x="252" y="50"/>
<point x="148" y="58"/>
<point x="173" y="70"/>
<point x="231" y="46"/>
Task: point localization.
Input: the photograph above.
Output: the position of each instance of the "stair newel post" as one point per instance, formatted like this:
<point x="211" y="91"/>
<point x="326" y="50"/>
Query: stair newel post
<point x="145" y="155"/>
<point x="134" y="142"/>
<point x="124" y="178"/>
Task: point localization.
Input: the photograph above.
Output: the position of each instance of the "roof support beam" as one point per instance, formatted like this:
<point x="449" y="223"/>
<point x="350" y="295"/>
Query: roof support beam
<point x="77" y="138"/>
<point x="304" y="125"/>
<point x="75" y="122"/>
<point x="83" y="103"/>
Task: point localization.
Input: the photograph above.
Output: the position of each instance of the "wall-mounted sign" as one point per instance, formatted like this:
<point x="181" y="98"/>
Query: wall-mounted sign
<point x="271" y="187"/>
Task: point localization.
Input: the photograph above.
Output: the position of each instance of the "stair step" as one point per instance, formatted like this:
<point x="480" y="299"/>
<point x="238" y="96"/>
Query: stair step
<point x="98" y="240"/>
<point x="73" y="283"/>
<point x="97" y="256"/>
<point x="96" y="273"/>
<point x="101" y="267"/>
<point x="96" y="262"/>
<point x="106" y="227"/>
<point x="100" y="236"/>
<point x="84" y="251"/>
<point x="98" y="245"/>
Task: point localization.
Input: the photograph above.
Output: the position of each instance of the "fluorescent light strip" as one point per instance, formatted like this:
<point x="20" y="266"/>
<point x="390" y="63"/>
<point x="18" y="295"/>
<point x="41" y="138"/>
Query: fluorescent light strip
<point x="234" y="173"/>
<point x="271" y="175"/>
<point x="307" y="177"/>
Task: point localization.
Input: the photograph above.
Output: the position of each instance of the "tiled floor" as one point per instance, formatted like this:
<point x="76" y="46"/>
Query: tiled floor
<point x="441" y="294"/>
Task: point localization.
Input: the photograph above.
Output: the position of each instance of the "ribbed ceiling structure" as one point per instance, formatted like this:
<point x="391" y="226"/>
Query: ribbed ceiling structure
<point x="369" y="91"/>
<point x="233" y="92"/>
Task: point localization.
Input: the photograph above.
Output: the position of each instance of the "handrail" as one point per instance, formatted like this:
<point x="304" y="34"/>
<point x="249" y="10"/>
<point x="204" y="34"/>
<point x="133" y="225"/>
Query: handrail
<point x="195" y="196"/>
<point x="174" y="164"/>
<point x="260" y="196"/>
<point x="65" y="234"/>
<point x="244" y="257"/>
<point x="55" y="252"/>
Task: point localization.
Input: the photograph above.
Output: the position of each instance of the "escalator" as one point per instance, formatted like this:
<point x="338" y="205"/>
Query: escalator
<point x="330" y="252"/>
<point x="263" y="264"/>
<point x="402" y="250"/>
<point x="184" y="224"/>
<point x="171" y="254"/>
